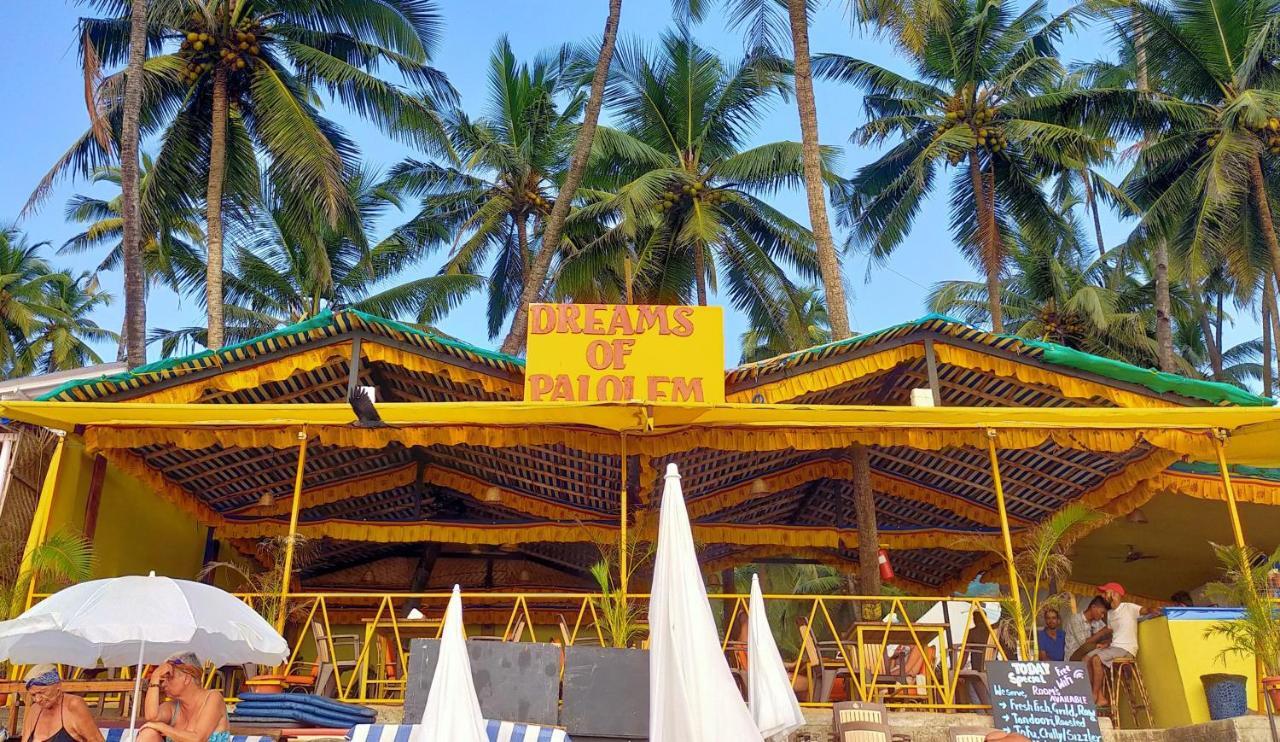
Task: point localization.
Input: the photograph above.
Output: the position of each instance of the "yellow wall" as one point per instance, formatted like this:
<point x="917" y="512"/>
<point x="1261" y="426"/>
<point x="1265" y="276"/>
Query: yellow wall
<point x="137" y="532"/>
<point x="1173" y="656"/>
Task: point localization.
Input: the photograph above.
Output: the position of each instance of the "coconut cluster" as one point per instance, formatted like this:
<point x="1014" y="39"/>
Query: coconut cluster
<point x="981" y="119"/>
<point x="1270" y="133"/>
<point x="696" y="191"/>
<point x="201" y="49"/>
<point x="537" y="200"/>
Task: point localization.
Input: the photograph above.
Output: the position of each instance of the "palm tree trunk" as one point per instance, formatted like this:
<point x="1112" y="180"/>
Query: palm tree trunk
<point x="1217" y="320"/>
<point x="864" y="507"/>
<point x="1092" y="204"/>
<point x="1275" y="322"/>
<point x="1210" y="343"/>
<point x="1268" y="296"/>
<point x="989" y="247"/>
<point x="828" y="260"/>
<point x="522" y="237"/>
<point x="134" y="334"/>
<point x="700" y="273"/>
<point x="213" y="207"/>
<point x="1264" y="213"/>
<point x="537" y="276"/>
<point x="1164" y="311"/>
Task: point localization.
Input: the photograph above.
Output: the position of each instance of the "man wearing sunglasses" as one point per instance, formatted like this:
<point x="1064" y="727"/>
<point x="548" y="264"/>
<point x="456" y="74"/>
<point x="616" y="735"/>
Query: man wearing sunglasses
<point x="52" y="715"/>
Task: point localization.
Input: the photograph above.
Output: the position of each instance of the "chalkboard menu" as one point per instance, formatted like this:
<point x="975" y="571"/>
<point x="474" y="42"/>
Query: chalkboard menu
<point x="1044" y="701"/>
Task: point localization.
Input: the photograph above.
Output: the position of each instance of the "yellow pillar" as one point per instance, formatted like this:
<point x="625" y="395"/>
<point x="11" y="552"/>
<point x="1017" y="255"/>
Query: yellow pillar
<point x="622" y="537"/>
<point x="283" y="611"/>
<point x="40" y="520"/>
<point x="1008" y="543"/>
<point x="1218" y="439"/>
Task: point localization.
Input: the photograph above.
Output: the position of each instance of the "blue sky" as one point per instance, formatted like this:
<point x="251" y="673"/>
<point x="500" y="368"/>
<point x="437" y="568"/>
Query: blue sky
<point x="46" y="112"/>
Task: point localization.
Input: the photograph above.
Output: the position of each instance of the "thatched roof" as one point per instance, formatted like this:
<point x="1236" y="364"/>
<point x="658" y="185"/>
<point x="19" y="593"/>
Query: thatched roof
<point x="375" y="491"/>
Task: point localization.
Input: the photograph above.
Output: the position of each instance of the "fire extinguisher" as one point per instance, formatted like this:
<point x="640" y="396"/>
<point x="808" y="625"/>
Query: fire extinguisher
<point x="886" y="569"/>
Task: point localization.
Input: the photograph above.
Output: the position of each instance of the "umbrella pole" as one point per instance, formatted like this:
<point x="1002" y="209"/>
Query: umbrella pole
<point x="137" y="695"/>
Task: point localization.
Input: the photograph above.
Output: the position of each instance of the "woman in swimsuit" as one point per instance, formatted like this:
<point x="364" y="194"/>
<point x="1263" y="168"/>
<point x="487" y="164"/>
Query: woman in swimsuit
<point x="55" y="716"/>
<point x="192" y="714"/>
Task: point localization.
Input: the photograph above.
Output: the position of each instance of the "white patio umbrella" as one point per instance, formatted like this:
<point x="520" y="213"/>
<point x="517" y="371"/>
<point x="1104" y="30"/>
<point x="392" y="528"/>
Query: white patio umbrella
<point x="137" y="620"/>
<point x="692" y="696"/>
<point x="452" y="713"/>
<point x="770" y="697"/>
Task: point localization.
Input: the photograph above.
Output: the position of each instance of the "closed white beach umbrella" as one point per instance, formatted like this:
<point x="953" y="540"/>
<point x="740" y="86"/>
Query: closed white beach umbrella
<point x="452" y="713"/>
<point x="770" y="697"/>
<point x="138" y="620"/>
<point x="692" y="696"/>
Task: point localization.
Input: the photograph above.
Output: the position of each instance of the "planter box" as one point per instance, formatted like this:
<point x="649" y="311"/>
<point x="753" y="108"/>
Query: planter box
<point x="606" y="694"/>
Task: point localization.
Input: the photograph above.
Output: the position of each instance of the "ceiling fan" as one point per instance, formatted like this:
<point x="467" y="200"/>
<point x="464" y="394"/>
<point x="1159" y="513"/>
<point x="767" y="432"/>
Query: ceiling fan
<point x="1133" y="555"/>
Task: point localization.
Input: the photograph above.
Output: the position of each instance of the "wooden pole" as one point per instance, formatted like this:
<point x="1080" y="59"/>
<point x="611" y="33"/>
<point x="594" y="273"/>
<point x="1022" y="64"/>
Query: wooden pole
<point x="1218" y="439"/>
<point x="622" y="536"/>
<point x="286" y="576"/>
<point x="1008" y="543"/>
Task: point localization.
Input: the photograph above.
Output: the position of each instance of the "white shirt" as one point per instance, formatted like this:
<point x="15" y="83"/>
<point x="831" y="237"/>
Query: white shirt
<point x="1123" y="620"/>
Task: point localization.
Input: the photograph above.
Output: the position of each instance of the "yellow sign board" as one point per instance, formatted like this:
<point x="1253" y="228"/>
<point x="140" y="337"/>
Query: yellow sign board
<point x="622" y="353"/>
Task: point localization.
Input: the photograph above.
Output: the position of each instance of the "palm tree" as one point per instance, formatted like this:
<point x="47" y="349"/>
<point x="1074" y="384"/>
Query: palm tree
<point x="24" y="279"/>
<point x="974" y="107"/>
<point x="291" y="266"/>
<point x="238" y="86"/>
<point x="135" y="303"/>
<point x="770" y="31"/>
<point x="536" y="278"/>
<point x="494" y="208"/>
<point x="807" y="325"/>
<point x="61" y="342"/>
<point x="64" y="558"/>
<point x="1203" y="175"/>
<point x="171" y="231"/>
<point x="1052" y="293"/>
<point x="683" y="187"/>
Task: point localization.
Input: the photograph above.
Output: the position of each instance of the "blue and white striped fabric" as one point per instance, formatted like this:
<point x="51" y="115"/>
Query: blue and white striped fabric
<point x="121" y="735"/>
<point x="499" y="731"/>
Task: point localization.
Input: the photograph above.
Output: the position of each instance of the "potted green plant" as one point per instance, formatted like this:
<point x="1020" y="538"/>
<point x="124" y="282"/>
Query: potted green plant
<point x="1256" y="632"/>
<point x="1042" y="564"/>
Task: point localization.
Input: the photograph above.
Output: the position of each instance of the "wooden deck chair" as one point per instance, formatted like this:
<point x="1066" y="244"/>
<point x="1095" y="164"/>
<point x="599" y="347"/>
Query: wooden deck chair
<point x="971" y="657"/>
<point x="389" y="679"/>
<point x="862" y="731"/>
<point x="969" y="734"/>
<point x="517" y="630"/>
<point x="329" y="670"/>
<point x="861" y="711"/>
<point x="826" y="669"/>
<point x="584" y="639"/>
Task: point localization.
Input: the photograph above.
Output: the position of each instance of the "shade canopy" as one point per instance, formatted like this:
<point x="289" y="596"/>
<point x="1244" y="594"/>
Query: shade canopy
<point x="692" y="694"/>
<point x="461" y="461"/>
<point x="125" y="620"/>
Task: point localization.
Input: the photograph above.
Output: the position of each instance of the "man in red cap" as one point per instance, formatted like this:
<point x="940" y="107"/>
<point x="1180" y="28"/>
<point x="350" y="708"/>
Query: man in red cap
<point x="1122" y="623"/>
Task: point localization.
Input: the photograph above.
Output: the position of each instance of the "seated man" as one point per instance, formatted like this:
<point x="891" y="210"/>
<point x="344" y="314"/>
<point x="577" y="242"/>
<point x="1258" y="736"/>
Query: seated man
<point x="1122" y="623"/>
<point x="192" y="715"/>
<point x="1182" y="599"/>
<point x="52" y="715"/>
<point x="1051" y="639"/>
<point x="1084" y="629"/>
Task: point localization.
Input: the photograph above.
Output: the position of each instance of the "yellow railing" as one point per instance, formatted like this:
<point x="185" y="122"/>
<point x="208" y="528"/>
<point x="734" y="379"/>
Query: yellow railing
<point x="904" y="663"/>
